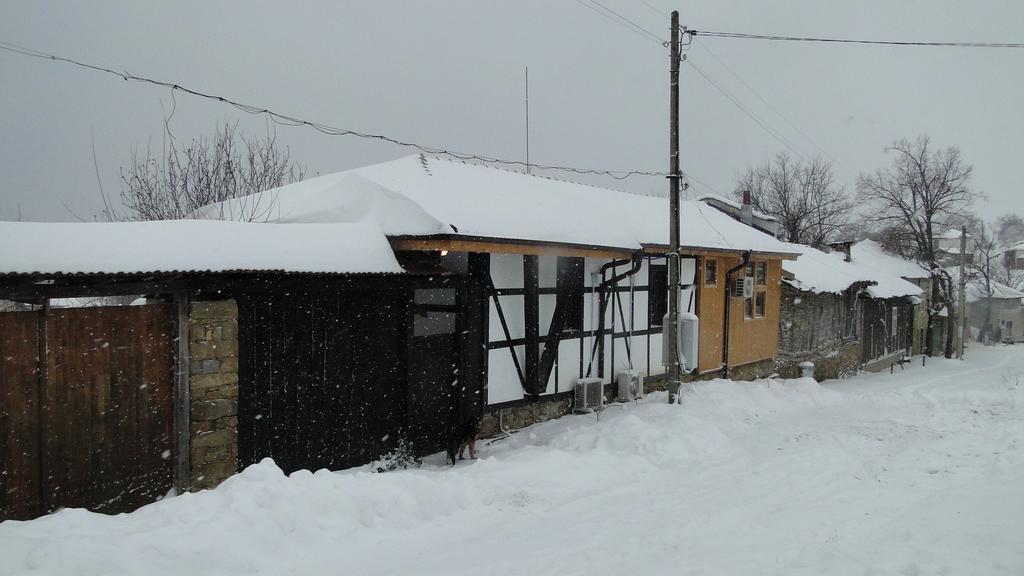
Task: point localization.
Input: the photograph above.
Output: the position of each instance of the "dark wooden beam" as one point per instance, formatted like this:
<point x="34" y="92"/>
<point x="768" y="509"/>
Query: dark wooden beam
<point x="531" y="320"/>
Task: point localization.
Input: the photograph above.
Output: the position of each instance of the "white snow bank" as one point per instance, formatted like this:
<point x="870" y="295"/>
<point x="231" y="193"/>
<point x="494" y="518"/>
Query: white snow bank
<point x="192" y="246"/>
<point x="918" y="472"/>
<point x="444" y="196"/>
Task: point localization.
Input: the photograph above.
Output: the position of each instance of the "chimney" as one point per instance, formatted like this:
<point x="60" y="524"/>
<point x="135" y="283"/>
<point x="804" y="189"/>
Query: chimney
<point x="844" y="247"/>
<point x="746" y="210"/>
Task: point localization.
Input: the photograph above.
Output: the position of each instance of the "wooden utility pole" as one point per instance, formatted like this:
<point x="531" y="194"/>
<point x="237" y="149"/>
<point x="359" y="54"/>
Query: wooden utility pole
<point x="674" y="372"/>
<point x="963" y="294"/>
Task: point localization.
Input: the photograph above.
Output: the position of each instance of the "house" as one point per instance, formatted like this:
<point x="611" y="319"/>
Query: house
<point x="947" y="248"/>
<point x="365" y="312"/>
<point x="995" y="310"/>
<point x="573" y="276"/>
<point x="830" y="310"/>
<point x="872" y="255"/>
<point x="1014" y="257"/>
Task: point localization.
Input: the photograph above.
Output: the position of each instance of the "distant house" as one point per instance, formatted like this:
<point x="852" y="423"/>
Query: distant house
<point x="1014" y="257"/>
<point x="744" y="212"/>
<point x="947" y="248"/>
<point x="842" y="315"/>
<point x="871" y="254"/>
<point x="995" y="308"/>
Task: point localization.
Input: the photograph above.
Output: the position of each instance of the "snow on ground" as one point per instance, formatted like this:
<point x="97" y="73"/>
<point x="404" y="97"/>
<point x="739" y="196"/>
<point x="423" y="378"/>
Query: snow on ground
<point x="917" y="473"/>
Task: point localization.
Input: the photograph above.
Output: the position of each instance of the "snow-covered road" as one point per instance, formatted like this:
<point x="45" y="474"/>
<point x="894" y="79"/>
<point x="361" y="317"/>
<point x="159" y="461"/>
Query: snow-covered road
<point x="917" y="473"/>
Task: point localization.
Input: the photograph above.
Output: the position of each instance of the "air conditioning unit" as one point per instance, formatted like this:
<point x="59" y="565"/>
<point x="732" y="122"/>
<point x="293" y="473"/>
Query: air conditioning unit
<point x="631" y="385"/>
<point x="743" y="287"/>
<point x="588" y="395"/>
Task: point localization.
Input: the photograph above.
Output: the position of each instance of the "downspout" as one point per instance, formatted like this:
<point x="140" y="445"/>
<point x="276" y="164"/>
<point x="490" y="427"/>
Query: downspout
<point x="725" y="328"/>
<point x="598" y="347"/>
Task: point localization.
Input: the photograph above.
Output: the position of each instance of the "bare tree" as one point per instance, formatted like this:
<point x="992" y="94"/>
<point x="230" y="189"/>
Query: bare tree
<point x="924" y="191"/>
<point x="208" y="171"/>
<point x="1009" y="230"/>
<point x="810" y="206"/>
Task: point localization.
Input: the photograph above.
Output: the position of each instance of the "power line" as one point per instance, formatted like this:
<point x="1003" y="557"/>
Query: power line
<point x="782" y="140"/>
<point x="745" y="36"/>
<point x="631" y="23"/>
<point x="286" y="120"/>
<point x="615" y="17"/>
<point x="763" y="101"/>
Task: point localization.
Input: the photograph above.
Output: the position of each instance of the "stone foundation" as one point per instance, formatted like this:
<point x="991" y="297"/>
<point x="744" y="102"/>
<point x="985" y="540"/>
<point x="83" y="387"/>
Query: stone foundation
<point x="841" y="362"/>
<point x="213" y="346"/>
<point x="516" y="417"/>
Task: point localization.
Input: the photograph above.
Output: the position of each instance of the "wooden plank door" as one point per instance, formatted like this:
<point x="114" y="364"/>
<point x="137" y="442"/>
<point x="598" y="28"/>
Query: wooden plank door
<point x="94" y="430"/>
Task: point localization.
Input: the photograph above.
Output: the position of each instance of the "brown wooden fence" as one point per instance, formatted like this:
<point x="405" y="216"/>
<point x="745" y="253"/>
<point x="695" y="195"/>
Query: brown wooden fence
<point x="90" y="425"/>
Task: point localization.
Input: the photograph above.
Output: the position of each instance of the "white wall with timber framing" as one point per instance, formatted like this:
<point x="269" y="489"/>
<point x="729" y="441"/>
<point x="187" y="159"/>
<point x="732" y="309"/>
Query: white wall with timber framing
<point x="630" y="341"/>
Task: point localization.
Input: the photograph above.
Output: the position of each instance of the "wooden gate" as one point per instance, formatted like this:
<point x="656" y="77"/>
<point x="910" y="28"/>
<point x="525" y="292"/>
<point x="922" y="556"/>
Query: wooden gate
<point x="89" y="426"/>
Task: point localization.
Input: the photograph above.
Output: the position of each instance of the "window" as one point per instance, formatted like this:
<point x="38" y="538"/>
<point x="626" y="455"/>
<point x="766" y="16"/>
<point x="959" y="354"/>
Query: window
<point x="754" y="306"/>
<point x="571" y="269"/>
<point x="710" y="272"/>
<point x="761" y="273"/>
<point x="657" y="294"/>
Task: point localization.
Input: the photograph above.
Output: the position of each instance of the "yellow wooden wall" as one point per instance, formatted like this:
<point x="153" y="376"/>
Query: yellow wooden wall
<point x="751" y="339"/>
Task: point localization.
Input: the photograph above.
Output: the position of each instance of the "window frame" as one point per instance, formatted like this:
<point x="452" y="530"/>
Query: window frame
<point x="713" y="263"/>
<point x="750" y="309"/>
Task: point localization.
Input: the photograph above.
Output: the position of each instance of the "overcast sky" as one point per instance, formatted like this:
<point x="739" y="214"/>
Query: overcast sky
<point x="450" y="73"/>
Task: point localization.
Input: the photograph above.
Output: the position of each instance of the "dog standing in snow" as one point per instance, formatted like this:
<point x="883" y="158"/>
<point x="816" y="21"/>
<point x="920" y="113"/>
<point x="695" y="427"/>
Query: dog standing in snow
<point x="461" y="436"/>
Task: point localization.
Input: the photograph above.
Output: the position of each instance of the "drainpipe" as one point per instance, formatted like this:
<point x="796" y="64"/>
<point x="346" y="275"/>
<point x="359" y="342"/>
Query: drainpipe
<point x="725" y="328"/>
<point x="598" y="348"/>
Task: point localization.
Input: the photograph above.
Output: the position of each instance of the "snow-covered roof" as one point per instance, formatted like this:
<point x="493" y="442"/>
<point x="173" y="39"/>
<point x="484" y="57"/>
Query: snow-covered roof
<point x="977" y="289"/>
<point x="817" y="271"/>
<point x="952" y="234"/>
<point x="419" y="196"/>
<point x="192" y="246"/>
<point x="871" y="254"/>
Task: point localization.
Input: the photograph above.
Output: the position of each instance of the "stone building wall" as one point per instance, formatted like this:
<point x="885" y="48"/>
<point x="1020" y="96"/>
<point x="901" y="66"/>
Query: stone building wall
<point x="213" y="383"/>
<point x="812" y="329"/>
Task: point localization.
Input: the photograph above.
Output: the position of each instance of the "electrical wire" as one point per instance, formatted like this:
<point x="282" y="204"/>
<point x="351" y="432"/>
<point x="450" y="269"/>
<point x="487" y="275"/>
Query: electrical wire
<point x="286" y="120"/>
<point x="745" y="36"/>
<point x="631" y="23"/>
<point x="763" y="101"/>
<point x="614" y="17"/>
<point x="782" y="140"/>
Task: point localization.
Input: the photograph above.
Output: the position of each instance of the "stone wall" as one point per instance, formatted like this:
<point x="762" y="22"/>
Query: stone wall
<point x="516" y="417"/>
<point x="521" y="416"/>
<point x="812" y="329"/>
<point x="841" y="362"/>
<point x="213" y="346"/>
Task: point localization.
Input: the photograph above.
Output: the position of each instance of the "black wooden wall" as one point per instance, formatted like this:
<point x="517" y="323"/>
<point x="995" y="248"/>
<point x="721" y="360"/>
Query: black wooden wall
<point x="333" y="376"/>
<point x="322" y="377"/>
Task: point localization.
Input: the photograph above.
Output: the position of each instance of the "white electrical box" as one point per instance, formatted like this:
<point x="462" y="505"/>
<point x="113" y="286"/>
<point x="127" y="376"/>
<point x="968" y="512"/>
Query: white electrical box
<point x="631" y="385"/>
<point x="688" y="330"/>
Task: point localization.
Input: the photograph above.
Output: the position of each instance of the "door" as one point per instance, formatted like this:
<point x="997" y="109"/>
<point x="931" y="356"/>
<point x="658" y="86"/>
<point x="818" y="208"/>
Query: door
<point x="85" y="413"/>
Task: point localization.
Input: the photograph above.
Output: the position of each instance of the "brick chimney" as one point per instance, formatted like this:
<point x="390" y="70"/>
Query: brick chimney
<point x="746" y="210"/>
